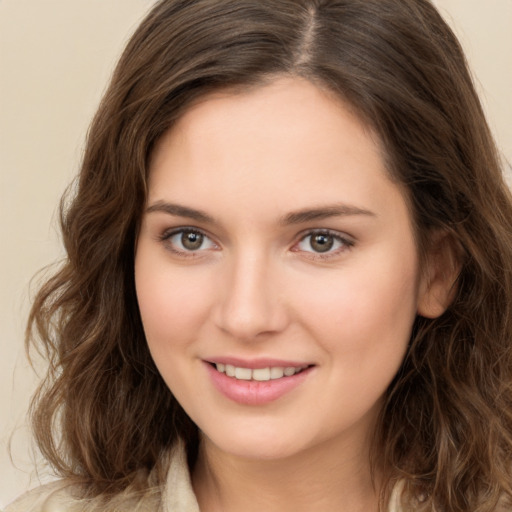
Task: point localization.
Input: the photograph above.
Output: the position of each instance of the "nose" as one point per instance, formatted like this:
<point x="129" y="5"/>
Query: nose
<point x="250" y="304"/>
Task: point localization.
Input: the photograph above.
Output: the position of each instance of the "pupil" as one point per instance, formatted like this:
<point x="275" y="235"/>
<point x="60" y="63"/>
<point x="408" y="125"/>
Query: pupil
<point x="322" y="243"/>
<point x="192" y="241"/>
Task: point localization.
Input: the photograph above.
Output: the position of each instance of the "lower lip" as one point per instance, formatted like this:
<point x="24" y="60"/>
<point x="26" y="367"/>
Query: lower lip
<point x="253" y="392"/>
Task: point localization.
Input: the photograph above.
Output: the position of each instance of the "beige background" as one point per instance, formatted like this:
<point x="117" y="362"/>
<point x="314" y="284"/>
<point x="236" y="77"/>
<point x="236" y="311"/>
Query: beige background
<point x="55" y="59"/>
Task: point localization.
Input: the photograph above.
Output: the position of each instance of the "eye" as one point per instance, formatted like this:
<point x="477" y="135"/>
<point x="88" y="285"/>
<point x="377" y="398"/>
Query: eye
<point x="188" y="240"/>
<point x="323" y="242"/>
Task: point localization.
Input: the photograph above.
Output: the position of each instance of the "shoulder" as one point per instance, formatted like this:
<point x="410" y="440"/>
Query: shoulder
<point x="53" y="497"/>
<point x="400" y="502"/>
<point x="61" y="496"/>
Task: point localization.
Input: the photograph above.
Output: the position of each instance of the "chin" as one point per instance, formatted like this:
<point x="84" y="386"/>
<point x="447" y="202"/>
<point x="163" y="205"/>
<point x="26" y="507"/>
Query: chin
<point x="255" y="443"/>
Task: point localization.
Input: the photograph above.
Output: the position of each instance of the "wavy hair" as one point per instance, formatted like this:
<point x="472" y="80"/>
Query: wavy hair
<point x="446" y="425"/>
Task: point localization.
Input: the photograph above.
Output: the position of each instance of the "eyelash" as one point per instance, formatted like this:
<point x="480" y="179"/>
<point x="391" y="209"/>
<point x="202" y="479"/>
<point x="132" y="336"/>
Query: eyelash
<point x="168" y="235"/>
<point x="344" y="242"/>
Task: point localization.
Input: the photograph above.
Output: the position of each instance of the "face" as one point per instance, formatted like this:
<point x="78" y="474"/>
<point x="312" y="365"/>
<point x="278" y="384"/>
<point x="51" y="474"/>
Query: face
<point x="276" y="270"/>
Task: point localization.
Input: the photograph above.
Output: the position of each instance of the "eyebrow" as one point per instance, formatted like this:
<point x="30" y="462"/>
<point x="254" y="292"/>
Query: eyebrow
<point x="324" y="212"/>
<point x="297" y="217"/>
<point x="180" y="211"/>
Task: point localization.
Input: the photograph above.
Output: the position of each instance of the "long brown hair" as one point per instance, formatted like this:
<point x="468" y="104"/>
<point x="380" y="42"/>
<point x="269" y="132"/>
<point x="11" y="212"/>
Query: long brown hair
<point x="104" y="416"/>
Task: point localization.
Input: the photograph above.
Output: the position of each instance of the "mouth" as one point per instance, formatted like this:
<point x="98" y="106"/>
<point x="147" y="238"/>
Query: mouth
<point x="257" y="382"/>
<point x="258" y="374"/>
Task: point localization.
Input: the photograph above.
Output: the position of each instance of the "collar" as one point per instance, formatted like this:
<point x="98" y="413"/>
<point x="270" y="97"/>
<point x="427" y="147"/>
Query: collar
<point x="179" y="495"/>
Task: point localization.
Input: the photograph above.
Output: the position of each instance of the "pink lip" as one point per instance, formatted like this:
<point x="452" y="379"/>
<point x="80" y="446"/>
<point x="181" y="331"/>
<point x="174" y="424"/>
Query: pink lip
<point x="250" y="392"/>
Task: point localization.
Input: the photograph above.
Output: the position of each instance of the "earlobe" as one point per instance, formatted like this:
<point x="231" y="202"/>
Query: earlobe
<point x="438" y="282"/>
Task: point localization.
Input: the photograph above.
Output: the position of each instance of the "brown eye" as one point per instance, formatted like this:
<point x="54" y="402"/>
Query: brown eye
<point x="321" y="242"/>
<point x="192" y="241"/>
<point x="324" y="242"/>
<point x="184" y="241"/>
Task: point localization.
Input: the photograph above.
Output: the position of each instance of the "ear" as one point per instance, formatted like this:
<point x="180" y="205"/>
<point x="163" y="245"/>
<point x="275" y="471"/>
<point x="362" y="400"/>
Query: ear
<point x="438" y="281"/>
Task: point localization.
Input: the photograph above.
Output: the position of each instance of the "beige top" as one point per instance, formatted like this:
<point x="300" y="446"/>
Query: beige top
<point x="178" y="495"/>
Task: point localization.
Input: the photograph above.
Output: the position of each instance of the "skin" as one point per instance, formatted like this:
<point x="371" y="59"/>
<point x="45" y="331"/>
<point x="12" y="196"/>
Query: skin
<point x="258" y="287"/>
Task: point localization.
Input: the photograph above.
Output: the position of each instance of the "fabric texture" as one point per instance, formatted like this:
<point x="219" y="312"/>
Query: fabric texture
<point x="178" y="495"/>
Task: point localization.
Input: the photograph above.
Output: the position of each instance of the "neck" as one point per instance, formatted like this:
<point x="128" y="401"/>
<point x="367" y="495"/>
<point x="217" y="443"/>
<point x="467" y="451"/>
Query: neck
<point x="323" y="478"/>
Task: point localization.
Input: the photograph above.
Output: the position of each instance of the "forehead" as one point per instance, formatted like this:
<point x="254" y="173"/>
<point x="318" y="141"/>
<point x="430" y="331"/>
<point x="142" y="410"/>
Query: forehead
<point x="289" y="143"/>
<point x="287" y="103"/>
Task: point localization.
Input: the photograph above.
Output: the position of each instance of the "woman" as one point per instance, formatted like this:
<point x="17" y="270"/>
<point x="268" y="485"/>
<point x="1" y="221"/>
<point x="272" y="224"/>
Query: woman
<point x="289" y="268"/>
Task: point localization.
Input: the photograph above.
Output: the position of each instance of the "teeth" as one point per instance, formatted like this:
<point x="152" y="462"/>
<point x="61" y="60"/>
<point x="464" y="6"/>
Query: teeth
<point x="289" y="371"/>
<point x="243" y="373"/>
<point x="259" y="374"/>
<point x="276" y="372"/>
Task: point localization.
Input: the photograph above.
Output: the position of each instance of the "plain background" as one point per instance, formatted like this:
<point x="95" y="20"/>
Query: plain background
<point x="56" y="57"/>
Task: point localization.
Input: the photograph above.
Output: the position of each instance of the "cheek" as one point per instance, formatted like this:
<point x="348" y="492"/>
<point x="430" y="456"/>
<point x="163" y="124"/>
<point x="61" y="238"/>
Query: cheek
<point x="173" y="309"/>
<point x="363" y="313"/>
<point x="361" y="320"/>
<point x="172" y="305"/>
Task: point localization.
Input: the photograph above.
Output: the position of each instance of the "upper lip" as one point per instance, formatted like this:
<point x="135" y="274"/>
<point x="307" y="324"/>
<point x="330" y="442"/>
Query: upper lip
<point x="262" y="362"/>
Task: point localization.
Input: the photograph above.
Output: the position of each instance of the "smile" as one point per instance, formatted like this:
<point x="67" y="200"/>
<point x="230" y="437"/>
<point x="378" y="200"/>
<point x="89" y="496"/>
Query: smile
<point x="257" y="382"/>
<point x="259" y="374"/>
